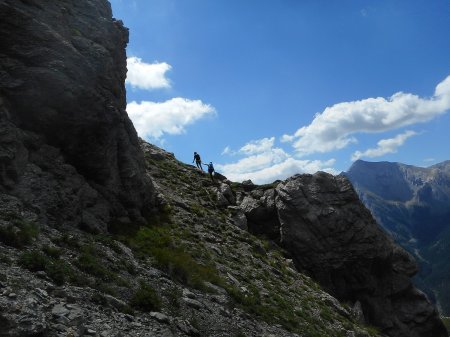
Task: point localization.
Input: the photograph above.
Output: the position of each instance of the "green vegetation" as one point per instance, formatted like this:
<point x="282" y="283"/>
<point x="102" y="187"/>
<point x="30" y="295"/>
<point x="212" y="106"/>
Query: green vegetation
<point x="90" y="263"/>
<point x="198" y="210"/>
<point x="67" y="241"/>
<point x="18" y="234"/>
<point x="146" y="299"/>
<point x="52" y="251"/>
<point x="446" y="321"/>
<point x="58" y="270"/>
<point x="173" y="257"/>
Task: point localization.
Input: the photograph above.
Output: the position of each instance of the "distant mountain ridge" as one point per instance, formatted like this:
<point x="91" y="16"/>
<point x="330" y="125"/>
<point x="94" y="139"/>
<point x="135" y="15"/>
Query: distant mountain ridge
<point x="413" y="205"/>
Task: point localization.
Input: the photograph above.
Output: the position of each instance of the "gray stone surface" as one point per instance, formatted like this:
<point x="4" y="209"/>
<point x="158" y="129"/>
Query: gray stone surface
<point x="333" y="237"/>
<point x="62" y="114"/>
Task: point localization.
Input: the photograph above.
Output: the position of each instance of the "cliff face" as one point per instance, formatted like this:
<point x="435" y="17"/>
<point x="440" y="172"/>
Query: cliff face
<point x="333" y="237"/>
<point x="418" y="218"/>
<point x="62" y="114"/>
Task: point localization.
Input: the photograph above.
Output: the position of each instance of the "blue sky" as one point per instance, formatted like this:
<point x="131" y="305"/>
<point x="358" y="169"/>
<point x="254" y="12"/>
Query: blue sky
<point x="266" y="89"/>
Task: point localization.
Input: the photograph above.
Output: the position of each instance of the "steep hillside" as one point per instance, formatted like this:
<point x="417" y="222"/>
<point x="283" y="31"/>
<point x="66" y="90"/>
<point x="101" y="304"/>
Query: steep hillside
<point x="412" y="203"/>
<point x="102" y="234"/>
<point x="190" y="272"/>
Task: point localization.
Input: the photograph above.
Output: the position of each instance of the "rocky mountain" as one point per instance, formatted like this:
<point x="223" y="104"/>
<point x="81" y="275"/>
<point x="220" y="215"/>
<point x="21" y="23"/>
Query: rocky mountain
<point x="65" y="133"/>
<point x="102" y="234"/>
<point x="413" y="205"/>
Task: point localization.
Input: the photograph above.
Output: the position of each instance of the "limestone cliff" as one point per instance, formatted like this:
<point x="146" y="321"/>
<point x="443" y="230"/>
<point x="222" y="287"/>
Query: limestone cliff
<point x="68" y="147"/>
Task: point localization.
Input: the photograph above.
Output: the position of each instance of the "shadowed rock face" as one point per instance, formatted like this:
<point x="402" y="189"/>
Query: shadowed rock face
<point x="333" y="237"/>
<point x="62" y="109"/>
<point x="419" y="221"/>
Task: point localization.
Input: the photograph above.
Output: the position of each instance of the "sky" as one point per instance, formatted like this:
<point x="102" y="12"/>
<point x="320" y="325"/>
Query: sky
<point x="266" y="89"/>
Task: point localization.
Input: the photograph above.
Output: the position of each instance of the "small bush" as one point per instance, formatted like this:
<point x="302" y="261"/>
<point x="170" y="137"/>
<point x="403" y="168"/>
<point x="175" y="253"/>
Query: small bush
<point x="109" y="242"/>
<point x="52" y="252"/>
<point x="18" y="234"/>
<point x="157" y="242"/>
<point x="57" y="270"/>
<point x="60" y="272"/>
<point x="34" y="261"/>
<point x="146" y="299"/>
<point x="89" y="263"/>
<point x="173" y="296"/>
<point x="67" y="240"/>
<point x="198" y="210"/>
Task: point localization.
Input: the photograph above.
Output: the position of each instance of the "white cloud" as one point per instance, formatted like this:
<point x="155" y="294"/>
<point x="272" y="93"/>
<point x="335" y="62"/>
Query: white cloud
<point x="265" y="163"/>
<point x="147" y="76"/>
<point x="152" y="119"/>
<point x="385" y="146"/>
<point x="258" y="146"/>
<point x="333" y="128"/>
<point x="226" y="150"/>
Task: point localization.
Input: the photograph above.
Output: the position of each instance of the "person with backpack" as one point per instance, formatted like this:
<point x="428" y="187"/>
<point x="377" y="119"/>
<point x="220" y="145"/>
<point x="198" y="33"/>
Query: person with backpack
<point x="210" y="170"/>
<point x="197" y="160"/>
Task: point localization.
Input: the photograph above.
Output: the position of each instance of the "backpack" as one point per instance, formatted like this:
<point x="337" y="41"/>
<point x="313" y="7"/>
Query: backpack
<point x="210" y="168"/>
<point x="197" y="157"/>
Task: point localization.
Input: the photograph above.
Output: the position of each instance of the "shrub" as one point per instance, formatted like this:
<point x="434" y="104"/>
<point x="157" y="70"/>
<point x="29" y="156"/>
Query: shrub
<point x="18" y="234"/>
<point x="57" y="270"/>
<point x="67" y="240"/>
<point x="33" y="261"/>
<point x="52" y="252"/>
<point x="175" y="260"/>
<point x="89" y="263"/>
<point x="146" y="299"/>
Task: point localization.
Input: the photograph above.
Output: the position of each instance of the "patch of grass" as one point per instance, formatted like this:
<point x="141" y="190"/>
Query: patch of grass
<point x="173" y="296"/>
<point x="198" y="210"/>
<point x="89" y="263"/>
<point x="146" y="299"/>
<point x="18" y="234"/>
<point x="66" y="240"/>
<point x="109" y="241"/>
<point x="33" y="261"/>
<point x="60" y="272"/>
<point x="174" y="259"/>
<point x="52" y="252"/>
<point x="57" y="270"/>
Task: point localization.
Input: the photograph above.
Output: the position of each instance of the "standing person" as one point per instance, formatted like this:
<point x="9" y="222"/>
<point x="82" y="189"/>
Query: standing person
<point x="198" y="161"/>
<point x="210" y="170"/>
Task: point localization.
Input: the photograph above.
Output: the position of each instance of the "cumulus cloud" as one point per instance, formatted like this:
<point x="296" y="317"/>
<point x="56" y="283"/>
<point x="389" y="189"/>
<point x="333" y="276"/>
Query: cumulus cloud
<point x="147" y="76"/>
<point x="258" y="146"/>
<point x="265" y="163"/>
<point x="385" y="146"/>
<point x="154" y="119"/>
<point x="334" y="128"/>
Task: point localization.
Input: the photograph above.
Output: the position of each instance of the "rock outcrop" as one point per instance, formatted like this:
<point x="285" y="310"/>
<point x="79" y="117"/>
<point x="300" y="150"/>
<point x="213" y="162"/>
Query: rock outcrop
<point x="333" y="237"/>
<point x="68" y="147"/>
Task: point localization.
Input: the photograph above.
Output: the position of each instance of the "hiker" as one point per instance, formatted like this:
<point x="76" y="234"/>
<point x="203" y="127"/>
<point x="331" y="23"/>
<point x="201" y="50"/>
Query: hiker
<point x="210" y="170"/>
<point x="198" y="161"/>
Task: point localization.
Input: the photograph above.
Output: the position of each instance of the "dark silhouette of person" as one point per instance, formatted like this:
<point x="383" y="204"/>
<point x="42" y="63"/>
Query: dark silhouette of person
<point x="210" y="170"/>
<point x="198" y="161"/>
